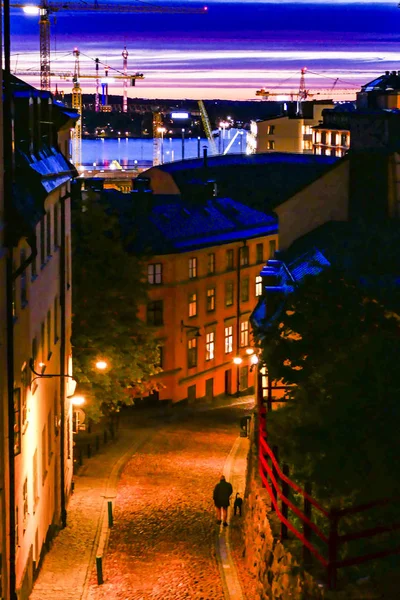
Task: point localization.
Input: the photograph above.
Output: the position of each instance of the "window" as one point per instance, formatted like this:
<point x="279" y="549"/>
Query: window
<point x="48" y="327"/>
<point x="56" y="320"/>
<point x="25" y="502"/>
<point x="17" y="421"/>
<point x="333" y="138"/>
<point x="192" y="305"/>
<point x="48" y="233"/>
<point x="55" y="229"/>
<point x="210" y="299"/>
<point x="229" y="260"/>
<point x="24" y="385"/>
<point x="192" y="268"/>
<point x="23" y="289"/>
<point x="43" y="342"/>
<point x="67" y="262"/>
<point x="272" y="248"/>
<point x="244" y="334"/>
<point x="192" y="353"/>
<point x="260" y="253"/>
<point x="343" y="139"/>
<point x="244" y="289"/>
<point x="211" y="263"/>
<point x="155" y="313"/>
<point x="228" y="293"/>
<point x="210" y="345"/>
<point x="228" y="339"/>
<point x="42" y="246"/>
<point x="323" y="137"/>
<point x="35" y="479"/>
<point x="44" y="454"/>
<point x="271" y="145"/>
<point x="244" y="256"/>
<point x="154" y="274"/>
<point x="258" y="285"/>
<point x="270" y="129"/>
<point x="49" y="436"/>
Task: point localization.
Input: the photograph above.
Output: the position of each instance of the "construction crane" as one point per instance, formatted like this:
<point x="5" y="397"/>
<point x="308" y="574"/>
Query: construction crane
<point x="158" y="136"/>
<point x="125" y="72"/>
<point x="46" y="8"/>
<point x="207" y="127"/>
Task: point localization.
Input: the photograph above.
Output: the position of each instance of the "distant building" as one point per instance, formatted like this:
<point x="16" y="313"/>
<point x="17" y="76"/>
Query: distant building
<point x="332" y="136"/>
<point x="40" y="470"/>
<point x="288" y="132"/>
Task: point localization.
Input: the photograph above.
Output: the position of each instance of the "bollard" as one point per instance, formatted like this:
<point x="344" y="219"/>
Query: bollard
<point x="110" y="514"/>
<point x="72" y="486"/>
<point x="97" y="443"/>
<point x="99" y="569"/>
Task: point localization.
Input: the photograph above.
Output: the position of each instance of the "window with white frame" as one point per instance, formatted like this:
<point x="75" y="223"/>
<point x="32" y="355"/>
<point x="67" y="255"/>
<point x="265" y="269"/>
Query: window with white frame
<point x="260" y="253"/>
<point x="154" y="274"/>
<point x="192" y="304"/>
<point x="244" y="334"/>
<point x="258" y="285"/>
<point x="210" y="345"/>
<point x="210" y="299"/>
<point x="192" y="268"/>
<point x="244" y="256"/>
<point x="211" y="263"/>
<point x="228" y="339"/>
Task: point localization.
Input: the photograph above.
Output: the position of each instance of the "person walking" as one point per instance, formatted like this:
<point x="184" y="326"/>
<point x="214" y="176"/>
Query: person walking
<point x="221" y="496"/>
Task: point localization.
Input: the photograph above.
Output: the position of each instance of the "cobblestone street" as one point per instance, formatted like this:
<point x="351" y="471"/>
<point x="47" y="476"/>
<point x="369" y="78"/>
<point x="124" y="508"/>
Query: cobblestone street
<point x="162" y="545"/>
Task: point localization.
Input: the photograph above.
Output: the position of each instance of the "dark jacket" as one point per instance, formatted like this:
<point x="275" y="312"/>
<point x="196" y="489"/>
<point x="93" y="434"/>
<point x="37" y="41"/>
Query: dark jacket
<point x="222" y="492"/>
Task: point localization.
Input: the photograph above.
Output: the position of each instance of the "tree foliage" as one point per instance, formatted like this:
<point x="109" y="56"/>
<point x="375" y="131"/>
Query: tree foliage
<point x="108" y="289"/>
<point x="339" y="349"/>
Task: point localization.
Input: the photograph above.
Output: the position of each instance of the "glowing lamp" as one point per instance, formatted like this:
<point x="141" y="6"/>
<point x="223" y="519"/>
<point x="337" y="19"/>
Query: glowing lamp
<point x="101" y="365"/>
<point x="237" y="360"/>
<point x="42" y="364"/>
<point x="254" y="359"/>
<point x="249" y="351"/>
<point x="31" y="10"/>
<point x="78" y="400"/>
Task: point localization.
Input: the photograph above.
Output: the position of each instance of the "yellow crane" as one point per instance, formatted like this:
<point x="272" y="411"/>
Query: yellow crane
<point x="45" y="8"/>
<point x="207" y="127"/>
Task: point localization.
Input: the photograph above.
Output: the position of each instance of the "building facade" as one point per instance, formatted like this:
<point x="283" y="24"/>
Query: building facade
<point x="200" y="303"/>
<point x="288" y="132"/>
<point x="39" y="472"/>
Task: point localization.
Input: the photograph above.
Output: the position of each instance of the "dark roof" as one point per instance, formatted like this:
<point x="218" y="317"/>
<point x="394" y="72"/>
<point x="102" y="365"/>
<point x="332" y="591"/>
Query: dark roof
<point x="166" y="224"/>
<point x="352" y="248"/>
<point x="262" y="181"/>
<point x="389" y="81"/>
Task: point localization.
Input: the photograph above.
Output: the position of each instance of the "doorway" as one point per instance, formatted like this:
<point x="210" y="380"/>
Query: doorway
<point x="228" y="382"/>
<point x="209" y="390"/>
<point x="191" y="393"/>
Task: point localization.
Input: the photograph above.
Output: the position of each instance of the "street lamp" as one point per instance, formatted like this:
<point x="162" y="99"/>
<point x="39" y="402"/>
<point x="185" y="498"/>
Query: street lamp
<point x="238" y="360"/>
<point x="101" y="365"/>
<point x="162" y="130"/>
<point x="183" y="143"/>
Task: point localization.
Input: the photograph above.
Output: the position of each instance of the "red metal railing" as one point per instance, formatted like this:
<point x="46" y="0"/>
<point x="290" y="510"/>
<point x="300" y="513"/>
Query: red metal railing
<point x="278" y="485"/>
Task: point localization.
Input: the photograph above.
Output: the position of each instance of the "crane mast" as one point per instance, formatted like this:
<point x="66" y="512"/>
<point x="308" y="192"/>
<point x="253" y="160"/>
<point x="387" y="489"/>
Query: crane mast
<point x="125" y="71"/>
<point x="44" y="32"/>
<point x="77" y="104"/>
<point x="207" y="127"/>
<point x="97" y="97"/>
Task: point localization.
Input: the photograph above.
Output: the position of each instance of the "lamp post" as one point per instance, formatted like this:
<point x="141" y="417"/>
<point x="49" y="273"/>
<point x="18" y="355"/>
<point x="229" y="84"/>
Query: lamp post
<point x="183" y="143"/>
<point x="198" y="147"/>
<point x="162" y="130"/>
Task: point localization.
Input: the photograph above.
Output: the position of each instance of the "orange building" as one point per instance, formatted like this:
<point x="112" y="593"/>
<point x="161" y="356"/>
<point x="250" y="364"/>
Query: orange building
<point x="38" y="459"/>
<point x="204" y="281"/>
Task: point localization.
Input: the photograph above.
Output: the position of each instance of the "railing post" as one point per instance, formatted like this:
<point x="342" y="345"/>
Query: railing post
<point x="275" y="451"/>
<point x="284" y="506"/>
<point x="333" y="549"/>
<point x="110" y="514"/>
<point x="307" y="509"/>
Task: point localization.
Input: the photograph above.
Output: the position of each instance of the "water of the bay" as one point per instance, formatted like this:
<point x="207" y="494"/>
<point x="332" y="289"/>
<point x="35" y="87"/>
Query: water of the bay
<point x="130" y="152"/>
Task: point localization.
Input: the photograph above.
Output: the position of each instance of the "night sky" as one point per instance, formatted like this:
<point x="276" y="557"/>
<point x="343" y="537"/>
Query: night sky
<point x="229" y="52"/>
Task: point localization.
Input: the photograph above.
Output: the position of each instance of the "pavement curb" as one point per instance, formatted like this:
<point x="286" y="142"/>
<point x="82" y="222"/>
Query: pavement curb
<point x="235" y="472"/>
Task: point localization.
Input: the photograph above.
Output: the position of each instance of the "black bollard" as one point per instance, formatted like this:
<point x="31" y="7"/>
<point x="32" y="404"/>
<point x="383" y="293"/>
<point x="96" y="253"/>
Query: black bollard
<point x="110" y="514"/>
<point x="99" y="569"/>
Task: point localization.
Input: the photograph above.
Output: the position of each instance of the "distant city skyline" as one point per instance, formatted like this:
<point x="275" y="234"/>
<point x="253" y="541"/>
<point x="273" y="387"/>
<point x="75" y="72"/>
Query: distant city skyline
<point x="229" y="52"/>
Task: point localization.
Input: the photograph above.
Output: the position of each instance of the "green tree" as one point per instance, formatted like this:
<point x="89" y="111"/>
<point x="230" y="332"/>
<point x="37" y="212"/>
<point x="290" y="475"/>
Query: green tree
<point x="108" y="289"/>
<point x="339" y="350"/>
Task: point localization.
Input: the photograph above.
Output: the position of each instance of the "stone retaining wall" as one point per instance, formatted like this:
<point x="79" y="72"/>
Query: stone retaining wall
<point x="278" y="573"/>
